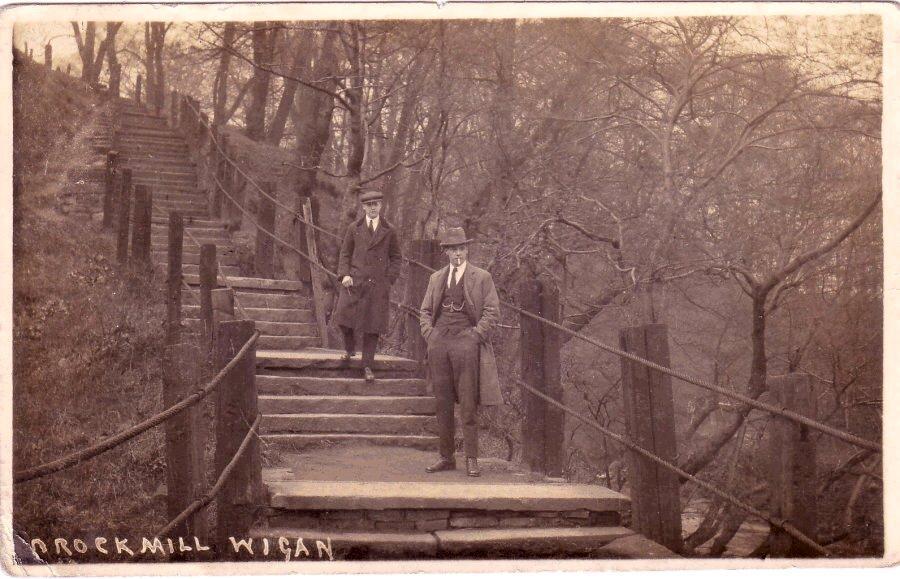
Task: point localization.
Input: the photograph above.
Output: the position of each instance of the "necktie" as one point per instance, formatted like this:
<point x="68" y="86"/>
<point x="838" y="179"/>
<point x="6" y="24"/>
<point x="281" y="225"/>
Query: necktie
<point x="453" y="277"/>
<point x="371" y="226"/>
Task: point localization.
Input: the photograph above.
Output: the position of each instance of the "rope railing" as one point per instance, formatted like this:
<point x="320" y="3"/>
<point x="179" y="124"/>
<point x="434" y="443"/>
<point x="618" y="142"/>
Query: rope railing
<point x="626" y="442"/>
<point x="225" y="278"/>
<point x="126" y="435"/>
<point x="217" y="487"/>
<point x="707" y="385"/>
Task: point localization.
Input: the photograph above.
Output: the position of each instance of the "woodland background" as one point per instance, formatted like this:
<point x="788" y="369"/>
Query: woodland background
<point x="721" y="175"/>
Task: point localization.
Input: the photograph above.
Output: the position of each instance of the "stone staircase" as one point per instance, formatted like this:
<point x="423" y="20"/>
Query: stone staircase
<point x="352" y="454"/>
<point x="306" y="396"/>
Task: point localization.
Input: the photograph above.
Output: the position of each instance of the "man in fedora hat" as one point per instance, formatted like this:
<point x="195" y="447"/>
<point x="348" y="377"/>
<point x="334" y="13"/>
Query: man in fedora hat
<point x="369" y="264"/>
<point x="460" y="308"/>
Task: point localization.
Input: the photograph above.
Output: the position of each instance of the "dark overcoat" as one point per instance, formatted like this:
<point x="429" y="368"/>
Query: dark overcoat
<point x="374" y="264"/>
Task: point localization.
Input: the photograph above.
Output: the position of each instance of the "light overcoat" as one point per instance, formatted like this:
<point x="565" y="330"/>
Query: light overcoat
<point x="374" y="264"/>
<point x="483" y="301"/>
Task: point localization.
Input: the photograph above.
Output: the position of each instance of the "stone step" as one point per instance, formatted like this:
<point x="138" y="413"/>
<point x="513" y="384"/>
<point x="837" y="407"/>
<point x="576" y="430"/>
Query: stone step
<point x="359" y="423"/>
<point x="190" y="222"/>
<point x="182" y="197"/>
<point x="288" y="343"/>
<point x="287" y="300"/>
<point x="407" y="405"/>
<point x="178" y="165"/>
<point x="153" y="149"/>
<point x="194" y="258"/>
<point x="163" y="173"/>
<point x="170" y="184"/>
<point x="155" y="157"/>
<point x="322" y="359"/>
<point x="299" y="441"/>
<point x="166" y="205"/>
<point x="159" y="241"/>
<point x="271" y="329"/>
<point x="255" y="283"/>
<point x="550" y="543"/>
<point x="194" y="269"/>
<point x="163" y="212"/>
<point x="268" y="384"/>
<point x="489" y="496"/>
<point x="261" y="314"/>
<point x="128" y="133"/>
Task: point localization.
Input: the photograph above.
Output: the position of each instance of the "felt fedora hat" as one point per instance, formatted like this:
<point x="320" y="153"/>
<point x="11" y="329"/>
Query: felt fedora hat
<point x="454" y="236"/>
<point x="370" y="195"/>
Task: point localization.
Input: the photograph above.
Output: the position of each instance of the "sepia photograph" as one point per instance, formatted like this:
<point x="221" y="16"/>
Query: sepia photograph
<point x="438" y="284"/>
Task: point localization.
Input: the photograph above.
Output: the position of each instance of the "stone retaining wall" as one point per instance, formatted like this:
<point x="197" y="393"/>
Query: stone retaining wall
<point x="426" y="520"/>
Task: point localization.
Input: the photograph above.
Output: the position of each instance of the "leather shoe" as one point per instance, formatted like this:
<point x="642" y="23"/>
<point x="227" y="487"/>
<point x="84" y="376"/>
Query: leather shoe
<point x="472" y="467"/>
<point x="443" y="464"/>
<point x="370" y="376"/>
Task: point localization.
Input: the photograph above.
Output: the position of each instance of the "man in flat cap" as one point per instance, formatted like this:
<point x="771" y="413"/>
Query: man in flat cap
<point x="369" y="264"/>
<point x="460" y="308"/>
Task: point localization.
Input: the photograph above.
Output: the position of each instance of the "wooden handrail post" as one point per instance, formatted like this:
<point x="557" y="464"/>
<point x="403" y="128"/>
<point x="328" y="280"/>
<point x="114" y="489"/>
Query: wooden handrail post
<point x="650" y="423"/>
<point x="792" y="466"/>
<point x="176" y="245"/>
<point x="173" y="109"/>
<point x="236" y="410"/>
<point x="209" y="273"/>
<point x="219" y="173"/>
<point x="427" y="252"/>
<point x="222" y="301"/>
<point x="48" y="56"/>
<point x="184" y="456"/>
<point x="109" y="192"/>
<point x="543" y="428"/>
<point x="265" y="245"/>
<point x="317" y="276"/>
<point x="140" y="236"/>
<point x="124" y="217"/>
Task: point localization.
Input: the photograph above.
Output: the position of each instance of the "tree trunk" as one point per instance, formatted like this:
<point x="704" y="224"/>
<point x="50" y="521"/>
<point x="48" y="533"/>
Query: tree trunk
<point x="356" y="125"/>
<point x="255" y="119"/>
<point x="302" y="48"/>
<point x="220" y="84"/>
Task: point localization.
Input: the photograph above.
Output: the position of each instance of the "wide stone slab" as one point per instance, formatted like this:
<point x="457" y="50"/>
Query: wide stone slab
<point x="531" y="542"/>
<point x="298" y="441"/>
<point x="336" y="495"/>
<point x="636" y="547"/>
<point x="255" y="283"/>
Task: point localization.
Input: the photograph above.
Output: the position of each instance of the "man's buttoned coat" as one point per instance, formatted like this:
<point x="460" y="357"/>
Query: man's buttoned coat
<point x="484" y="303"/>
<point x="373" y="261"/>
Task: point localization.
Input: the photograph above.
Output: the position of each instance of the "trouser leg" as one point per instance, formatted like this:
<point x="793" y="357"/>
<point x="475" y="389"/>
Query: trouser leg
<point x="369" y="343"/>
<point x="349" y="339"/>
<point x="465" y="369"/>
<point x="441" y="376"/>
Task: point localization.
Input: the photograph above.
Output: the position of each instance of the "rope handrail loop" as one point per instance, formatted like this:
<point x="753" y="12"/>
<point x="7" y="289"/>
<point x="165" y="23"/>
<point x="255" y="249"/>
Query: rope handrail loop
<point x="753" y="403"/>
<point x="744" y="506"/>
<point x="225" y="278"/>
<point x="217" y="487"/>
<point x="126" y="435"/>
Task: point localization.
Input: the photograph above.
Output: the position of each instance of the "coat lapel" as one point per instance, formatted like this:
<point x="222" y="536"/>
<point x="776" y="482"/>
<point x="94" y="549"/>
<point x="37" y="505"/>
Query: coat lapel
<point x="379" y="233"/>
<point x="438" y="295"/>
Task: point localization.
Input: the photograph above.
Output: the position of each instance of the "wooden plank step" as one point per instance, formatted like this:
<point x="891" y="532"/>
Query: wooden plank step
<point x="314" y="385"/>
<point x="407" y="405"/>
<point x="288" y="343"/>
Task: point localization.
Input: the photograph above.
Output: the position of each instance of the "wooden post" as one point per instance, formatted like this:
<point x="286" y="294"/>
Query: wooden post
<point x="650" y="422"/>
<point x="222" y="306"/>
<point x="543" y="428"/>
<point x="219" y="173"/>
<point x="427" y="252"/>
<point x="173" y="111"/>
<point x="209" y="272"/>
<point x="115" y="80"/>
<point x="317" y="276"/>
<point x="265" y="246"/>
<point x="137" y="91"/>
<point x="236" y="410"/>
<point x="140" y="237"/>
<point x="109" y="192"/>
<point x="184" y="456"/>
<point x="792" y="461"/>
<point x="176" y="245"/>
<point x="48" y="56"/>
<point x="124" y="218"/>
